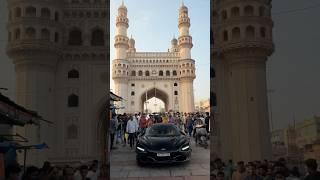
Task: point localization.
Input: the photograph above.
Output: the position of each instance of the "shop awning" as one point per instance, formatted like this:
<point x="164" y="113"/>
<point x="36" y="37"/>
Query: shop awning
<point x="114" y="97"/>
<point x="14" y="114"/>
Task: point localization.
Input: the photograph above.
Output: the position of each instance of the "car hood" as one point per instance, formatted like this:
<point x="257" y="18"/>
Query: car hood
<point x="163" y="143"/>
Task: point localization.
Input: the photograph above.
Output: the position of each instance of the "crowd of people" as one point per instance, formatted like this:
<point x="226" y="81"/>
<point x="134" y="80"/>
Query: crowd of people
<point x="125" y="127"/>
<point x="86" y="171"/>
<point x="263" y="170"/>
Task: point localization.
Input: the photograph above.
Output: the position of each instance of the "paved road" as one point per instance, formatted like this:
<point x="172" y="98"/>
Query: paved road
<point x="124" y="167"/>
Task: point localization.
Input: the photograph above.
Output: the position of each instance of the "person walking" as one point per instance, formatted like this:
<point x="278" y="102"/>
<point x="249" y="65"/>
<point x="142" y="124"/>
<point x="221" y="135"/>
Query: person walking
<point x="124" y="126"/>
<point x="132" y="128"/>
<point x="189" y="125"/>
<point x="113" y="129"/>
<point x="143" y="123"/>
<point x="207" y="121"/>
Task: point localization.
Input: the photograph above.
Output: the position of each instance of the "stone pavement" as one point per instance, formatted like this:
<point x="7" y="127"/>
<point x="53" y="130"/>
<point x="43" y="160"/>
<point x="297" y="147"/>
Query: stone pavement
<point x="123" y="166"/>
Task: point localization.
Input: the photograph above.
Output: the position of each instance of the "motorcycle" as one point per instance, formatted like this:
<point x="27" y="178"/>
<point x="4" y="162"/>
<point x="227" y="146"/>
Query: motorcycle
<point x="201" y="136"/>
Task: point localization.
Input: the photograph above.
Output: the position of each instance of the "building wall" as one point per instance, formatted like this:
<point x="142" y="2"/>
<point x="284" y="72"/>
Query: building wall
<point x="40" y="49"/>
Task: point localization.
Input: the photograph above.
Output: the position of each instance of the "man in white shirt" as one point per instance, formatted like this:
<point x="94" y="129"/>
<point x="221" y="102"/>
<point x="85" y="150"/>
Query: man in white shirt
<point x="132" y="128"/>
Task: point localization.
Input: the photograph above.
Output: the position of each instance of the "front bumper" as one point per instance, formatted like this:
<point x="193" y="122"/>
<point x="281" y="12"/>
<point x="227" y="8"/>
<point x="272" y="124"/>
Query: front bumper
<point x="175" y="156"/>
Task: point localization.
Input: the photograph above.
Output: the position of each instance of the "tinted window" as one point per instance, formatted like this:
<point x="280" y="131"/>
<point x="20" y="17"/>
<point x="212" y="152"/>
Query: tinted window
<point x="162" y="131"/>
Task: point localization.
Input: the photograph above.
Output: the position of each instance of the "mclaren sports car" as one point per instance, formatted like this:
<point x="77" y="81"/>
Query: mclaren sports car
<point x="163" y="143"/>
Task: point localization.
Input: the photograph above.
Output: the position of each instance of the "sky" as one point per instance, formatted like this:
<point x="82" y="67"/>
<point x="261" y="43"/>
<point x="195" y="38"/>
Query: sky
<point x="293" y="69"/>
<point x="153" y="23"/>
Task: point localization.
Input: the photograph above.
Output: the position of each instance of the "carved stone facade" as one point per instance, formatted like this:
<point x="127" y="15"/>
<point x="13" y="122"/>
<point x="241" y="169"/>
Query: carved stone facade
<point x="59" y="49"/>
<point x="139" y="76"/>
<point x="242" y="34"/>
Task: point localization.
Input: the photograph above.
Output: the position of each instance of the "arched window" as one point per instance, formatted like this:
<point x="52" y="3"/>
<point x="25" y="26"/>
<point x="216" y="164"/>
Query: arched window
<point x="235" y="33"/>
<point x="175" y="92"/>
<point x="224" y="15"/>
<point x="147" y="73"/>
<point x="56" y="16"/>
<point x="167" y="73"/>
<point x="72" y="131"/>
<point x="174" y="73"/>
<point x="17" y="12"/>
<point x="31" y="11"/>
<point x="56" y="37"/>
<point x="160" y="73"/>
<point x="175" y="84"/>
<point x="250" y="31"/>
<point x="262" y="11"/>
<point x="97" y="38"/>
<point x="17" y="34"/>
<point x="133" y="73"/>
<point x="45" y="34"/>
<point x="225" y="35"/>
<point x="73" y="74"/>
<point x="45" y="13"/>
<point x="248" y="10"/>
<point x="73" y="100"/>
<point x="235" y="11"/>
<point x="140" y="73"/>
<point x="263" y="32"/>
<point x="30" y="33"/>
<point x="75" y="38"/>
<point x="132" y="93"/>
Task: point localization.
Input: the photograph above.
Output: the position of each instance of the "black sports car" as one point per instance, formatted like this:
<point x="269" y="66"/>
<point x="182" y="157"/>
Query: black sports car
<point x="163" y="143"/>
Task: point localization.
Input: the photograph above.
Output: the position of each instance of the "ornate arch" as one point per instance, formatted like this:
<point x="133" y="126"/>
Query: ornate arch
<point x="154" y="92"/>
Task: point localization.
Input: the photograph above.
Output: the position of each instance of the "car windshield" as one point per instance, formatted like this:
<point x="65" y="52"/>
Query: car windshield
<point x="162" y="131"/>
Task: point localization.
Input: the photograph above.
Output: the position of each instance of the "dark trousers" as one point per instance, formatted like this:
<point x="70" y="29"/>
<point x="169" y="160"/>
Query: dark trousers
<point x="112" y="139"/>
<point x="131" y="139"/>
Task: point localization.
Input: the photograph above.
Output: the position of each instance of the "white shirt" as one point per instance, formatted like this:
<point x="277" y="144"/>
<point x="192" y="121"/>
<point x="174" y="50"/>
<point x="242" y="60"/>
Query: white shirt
<point x="132" y="126"/>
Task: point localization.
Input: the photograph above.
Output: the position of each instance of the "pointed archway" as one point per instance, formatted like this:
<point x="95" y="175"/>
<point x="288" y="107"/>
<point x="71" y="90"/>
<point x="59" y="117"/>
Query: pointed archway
<point x="157" y="93"/>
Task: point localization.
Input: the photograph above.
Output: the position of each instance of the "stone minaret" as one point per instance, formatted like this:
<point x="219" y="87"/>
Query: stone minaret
<point x="186" y="64"/>
<point x="120" y="73"/>
<point x="174" y="45"/>
<point x="242" y="43"/>
<point x="33" y="45"/>
<point x="132" y="48"/>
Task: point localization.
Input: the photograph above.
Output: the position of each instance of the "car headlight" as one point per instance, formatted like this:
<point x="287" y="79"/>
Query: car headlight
<point x="140" y="148"/>
<point x="185" y="148"/>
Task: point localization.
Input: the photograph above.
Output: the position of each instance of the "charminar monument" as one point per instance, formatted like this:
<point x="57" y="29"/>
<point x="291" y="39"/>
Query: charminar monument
<point x="168" y="76"/>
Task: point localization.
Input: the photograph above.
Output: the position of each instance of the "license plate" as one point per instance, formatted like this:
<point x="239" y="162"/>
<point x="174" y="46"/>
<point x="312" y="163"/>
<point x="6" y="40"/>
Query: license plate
<point x="163" y="154"/>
